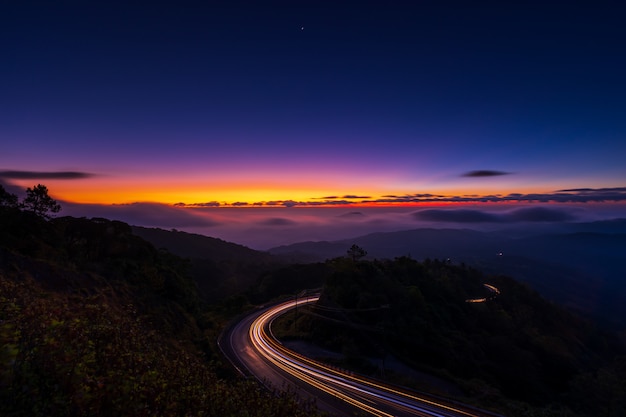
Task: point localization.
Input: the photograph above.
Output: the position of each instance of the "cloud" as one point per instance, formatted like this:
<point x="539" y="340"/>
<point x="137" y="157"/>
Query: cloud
<point x="142" y="214"/>
<point x="268" y="226"/>
<point x="207" y="204"/>
<point x="577" y="195"/>
<point x="55" y="175"/>
<point x="352" y="215"/>
<point x="277" y="221"/>
<point x="484" y="173"/>
<point x="539" y="214"/>
<point x="277" y="203"/>
<point x="350" y="196"/>
<point x="347" y="196"/>
<point x="293" y="203"/>
<point x="574" y="195"/>
<point x="456" y="216"/>
<point x="590" y="190"/>
<point x="526" y="214"/>
<point x="594" y="194"/>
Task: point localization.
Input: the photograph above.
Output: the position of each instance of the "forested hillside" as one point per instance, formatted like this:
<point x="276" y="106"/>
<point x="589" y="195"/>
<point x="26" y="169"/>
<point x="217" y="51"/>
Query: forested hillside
<point x="578" y="265"/>
<point x="512" y="351"/>
<point x="220" y="269"/>
<point x="96" y="321"/>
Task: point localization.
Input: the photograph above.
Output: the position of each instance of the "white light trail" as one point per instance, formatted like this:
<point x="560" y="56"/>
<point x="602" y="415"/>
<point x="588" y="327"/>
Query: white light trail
<point x="357" y="391"/>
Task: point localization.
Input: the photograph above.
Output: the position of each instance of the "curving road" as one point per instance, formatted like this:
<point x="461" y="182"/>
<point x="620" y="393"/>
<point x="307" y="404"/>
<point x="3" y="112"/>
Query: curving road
<point x="253" y="350"/>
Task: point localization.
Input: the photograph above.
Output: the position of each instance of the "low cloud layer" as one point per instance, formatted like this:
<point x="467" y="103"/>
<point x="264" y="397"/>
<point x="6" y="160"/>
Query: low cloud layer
<point x="539" y="214"/>
<point x="266" y="224"/>
<point x="266" y="227"/>
<point x="277" y="221"/>
<point x="527" y="214"/>
<point x="455" y="216"/>
<point x="141" y="214"/>
<point x="352" y="215"/>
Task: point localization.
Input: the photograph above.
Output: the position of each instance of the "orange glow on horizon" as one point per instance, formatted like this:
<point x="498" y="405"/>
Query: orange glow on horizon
<point x="107" y="191"/>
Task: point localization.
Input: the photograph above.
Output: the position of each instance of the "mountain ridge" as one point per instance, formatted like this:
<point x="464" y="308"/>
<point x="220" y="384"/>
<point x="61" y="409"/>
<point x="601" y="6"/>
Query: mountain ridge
<point x="194" y="245"/>
<point x="569" y="267"/>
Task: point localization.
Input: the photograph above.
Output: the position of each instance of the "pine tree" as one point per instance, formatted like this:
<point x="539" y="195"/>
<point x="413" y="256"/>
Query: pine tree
<point x="39" y="202"/>
<point x="7" y="199"/>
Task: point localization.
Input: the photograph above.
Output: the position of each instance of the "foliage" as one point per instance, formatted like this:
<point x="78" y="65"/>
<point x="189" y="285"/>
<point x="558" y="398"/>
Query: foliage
<point x="220" y="269"/>
<point x="7" y="200"/>
<point x="514" y="348"/>
<point x="39" y="202"/>
<point x="356" y="252"/>
<point x="74" y="355"/>
<point x="287" y="280"/>
<point x="96" y="321"/>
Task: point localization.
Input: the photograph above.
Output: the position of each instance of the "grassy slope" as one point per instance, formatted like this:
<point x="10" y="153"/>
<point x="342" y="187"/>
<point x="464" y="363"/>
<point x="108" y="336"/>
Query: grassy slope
<point x="96" y="321"/>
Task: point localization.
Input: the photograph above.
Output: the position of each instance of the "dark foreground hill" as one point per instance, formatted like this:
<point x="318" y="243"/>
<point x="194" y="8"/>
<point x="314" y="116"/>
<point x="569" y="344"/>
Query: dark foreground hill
<point x="191" y="245"/>
<point x="582" y="268"/>
<point x="220" y="269"/>
<point x="95" y="321"/>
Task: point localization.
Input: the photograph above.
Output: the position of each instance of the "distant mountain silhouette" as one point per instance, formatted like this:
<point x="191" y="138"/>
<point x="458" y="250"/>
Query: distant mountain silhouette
<point x="417" y="243"/>
<point x="219" y="268"/>
<point x="190" y="245"/>
<point x="579" y="265"/>
<point x="582" y="266"/>
<point x="603" y="226"/>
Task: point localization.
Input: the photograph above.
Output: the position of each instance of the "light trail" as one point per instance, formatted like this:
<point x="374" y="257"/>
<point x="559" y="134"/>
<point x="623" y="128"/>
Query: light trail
<point x="494" y="290"/>
<point x="370" y="396"/>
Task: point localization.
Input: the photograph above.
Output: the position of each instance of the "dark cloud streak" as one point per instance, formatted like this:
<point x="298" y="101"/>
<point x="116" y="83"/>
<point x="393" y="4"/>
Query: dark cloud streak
<point x="581" y="195"/>
<point x="54" y="175"/>
<point x="349" y="196"/>
<point x="277" y="221"/>
<point x="484" y="173"/>
<point x="207" y="204"/>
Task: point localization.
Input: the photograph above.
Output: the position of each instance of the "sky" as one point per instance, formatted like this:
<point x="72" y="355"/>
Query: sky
<point x="197" y="115"/>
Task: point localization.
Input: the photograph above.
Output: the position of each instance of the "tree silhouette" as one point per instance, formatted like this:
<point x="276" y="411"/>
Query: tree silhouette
<point x="39" y="202"/>
<point x="7" y="199"/>
<point x="356" y="252"/>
